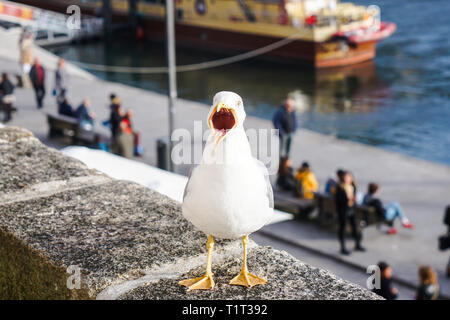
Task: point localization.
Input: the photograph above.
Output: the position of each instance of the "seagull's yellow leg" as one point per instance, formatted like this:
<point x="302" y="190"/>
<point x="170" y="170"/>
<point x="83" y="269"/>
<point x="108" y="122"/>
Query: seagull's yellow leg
<point x="206" y="282"/>
<point x="244" y="278"/>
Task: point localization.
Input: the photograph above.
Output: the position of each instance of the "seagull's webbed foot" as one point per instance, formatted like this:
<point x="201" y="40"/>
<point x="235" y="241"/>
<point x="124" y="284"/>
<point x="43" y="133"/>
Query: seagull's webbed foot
<point x="244" y="278"/>
<point x="205" y="282"/>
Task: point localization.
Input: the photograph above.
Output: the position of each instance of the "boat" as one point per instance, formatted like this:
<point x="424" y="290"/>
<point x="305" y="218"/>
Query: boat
<point x="318" y="33"/>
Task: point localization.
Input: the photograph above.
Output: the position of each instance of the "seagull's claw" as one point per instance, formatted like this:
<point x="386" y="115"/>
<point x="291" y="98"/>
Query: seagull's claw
<point x="246" y="279"/>
<point x="205" y="282"/>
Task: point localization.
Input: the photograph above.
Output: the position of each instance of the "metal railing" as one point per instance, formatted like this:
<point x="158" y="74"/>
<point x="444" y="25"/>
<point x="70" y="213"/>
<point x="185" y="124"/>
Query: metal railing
<point x="49" y="27"/>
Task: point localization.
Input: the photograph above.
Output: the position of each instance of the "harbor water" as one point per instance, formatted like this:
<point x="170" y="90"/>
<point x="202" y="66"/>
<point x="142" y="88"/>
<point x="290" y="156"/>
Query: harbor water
<point x="400" y="102"/>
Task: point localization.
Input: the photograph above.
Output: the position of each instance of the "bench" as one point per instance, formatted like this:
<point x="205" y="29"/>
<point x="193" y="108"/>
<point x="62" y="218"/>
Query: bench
<point x="365" y="215"/>
<point x="326" y="208"/>
<point x="61" y="125"/>
<point x="299" y="206"/>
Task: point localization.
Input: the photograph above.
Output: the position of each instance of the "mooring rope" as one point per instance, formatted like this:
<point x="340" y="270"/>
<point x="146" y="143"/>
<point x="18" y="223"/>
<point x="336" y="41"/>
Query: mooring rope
<point x="190" y="67"/>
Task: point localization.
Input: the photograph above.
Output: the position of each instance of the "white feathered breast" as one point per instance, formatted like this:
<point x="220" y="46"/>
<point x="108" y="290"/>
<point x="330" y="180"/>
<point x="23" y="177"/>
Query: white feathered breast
<point x="227" y="201"/>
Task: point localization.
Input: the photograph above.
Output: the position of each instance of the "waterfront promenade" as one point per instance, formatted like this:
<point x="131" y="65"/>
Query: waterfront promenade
<point x="422" y="187"/>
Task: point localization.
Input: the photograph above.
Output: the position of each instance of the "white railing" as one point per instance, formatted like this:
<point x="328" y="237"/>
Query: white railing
<point x="54" y="24"/>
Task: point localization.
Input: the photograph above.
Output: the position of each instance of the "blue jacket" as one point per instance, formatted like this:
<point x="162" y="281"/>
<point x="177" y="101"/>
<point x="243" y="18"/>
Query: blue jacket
<point x="280" y="119"/>
<point x="83" y="113"/>
<point x="66" y="109"/>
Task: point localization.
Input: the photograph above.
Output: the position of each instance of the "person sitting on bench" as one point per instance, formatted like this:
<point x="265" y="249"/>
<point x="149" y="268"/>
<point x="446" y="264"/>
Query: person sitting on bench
<point x="6" y="96"/>
<point x="389" y="213"/>
<point x="85" y="116"/>
<point x="331" y="183"/>
<point x="285" y="179"/>
<point x="307" y="180"/>
<point x="65" y="108"/>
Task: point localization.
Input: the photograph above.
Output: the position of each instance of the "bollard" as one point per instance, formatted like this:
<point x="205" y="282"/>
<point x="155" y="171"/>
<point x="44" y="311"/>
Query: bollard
<point x="162" y="152"/>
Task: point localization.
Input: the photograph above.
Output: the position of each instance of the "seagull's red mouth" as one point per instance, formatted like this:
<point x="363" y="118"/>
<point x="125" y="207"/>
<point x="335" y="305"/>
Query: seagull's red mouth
<point x="222" y="118"/>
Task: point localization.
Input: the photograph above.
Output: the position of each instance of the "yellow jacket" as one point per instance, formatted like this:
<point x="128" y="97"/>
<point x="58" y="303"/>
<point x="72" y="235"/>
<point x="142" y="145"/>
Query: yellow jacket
<point x="309" y="183"/>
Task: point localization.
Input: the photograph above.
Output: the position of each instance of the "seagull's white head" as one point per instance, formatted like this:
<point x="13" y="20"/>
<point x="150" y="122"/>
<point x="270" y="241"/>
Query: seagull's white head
<point x="226" y="113"/>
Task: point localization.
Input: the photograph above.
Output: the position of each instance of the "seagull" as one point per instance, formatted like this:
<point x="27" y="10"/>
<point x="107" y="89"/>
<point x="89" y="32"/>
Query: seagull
<point x="228" y="195"/>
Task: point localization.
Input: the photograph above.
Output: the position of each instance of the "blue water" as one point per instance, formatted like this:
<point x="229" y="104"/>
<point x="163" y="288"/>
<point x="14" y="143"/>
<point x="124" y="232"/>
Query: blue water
<point x="400" y="102"/>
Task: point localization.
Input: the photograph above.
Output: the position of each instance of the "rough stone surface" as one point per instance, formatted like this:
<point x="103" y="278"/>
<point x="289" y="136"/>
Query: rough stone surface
<point x="287" y="278"/>
<point x="128" y="241"/>
<point x="25" y="161"/>
<point x="109" y="230"/>
<point x="12" y="134"/>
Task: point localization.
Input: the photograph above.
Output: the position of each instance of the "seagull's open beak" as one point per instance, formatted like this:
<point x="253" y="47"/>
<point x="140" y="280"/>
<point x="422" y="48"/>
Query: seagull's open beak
<point x="221" y="120"/>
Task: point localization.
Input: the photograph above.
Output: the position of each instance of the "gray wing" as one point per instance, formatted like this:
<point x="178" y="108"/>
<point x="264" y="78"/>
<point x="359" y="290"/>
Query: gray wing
<point x="269" y="191"/>
<point x="187" y="183"/>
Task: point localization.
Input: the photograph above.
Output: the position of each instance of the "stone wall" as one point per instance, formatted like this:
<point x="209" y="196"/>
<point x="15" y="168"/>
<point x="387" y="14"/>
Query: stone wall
<point x="128" y="241"/>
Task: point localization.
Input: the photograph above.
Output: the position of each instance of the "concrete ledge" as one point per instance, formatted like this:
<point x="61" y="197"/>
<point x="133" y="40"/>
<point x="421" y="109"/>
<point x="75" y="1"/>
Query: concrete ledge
<point x="25" y="273"/>
<point x="287" y="278"/>
<point x="128" y="241"/>
<point x="25" y="162"/>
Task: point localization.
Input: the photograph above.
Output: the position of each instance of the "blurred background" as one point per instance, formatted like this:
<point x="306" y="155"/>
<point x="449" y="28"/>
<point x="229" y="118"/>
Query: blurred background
<point x="398" y="102"/>
<point x="368" y="79"/>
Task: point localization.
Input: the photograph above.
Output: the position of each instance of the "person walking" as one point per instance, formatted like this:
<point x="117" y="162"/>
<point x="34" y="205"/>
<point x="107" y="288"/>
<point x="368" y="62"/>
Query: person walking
<point x="345" y="197"/>
<point x="285" y="120"/>
<point x="26" y="56"/>
<point x="61" y="81"/>
<point x="429" y="286"/>
<point x="386" y="290"/>
<point x="37" y="77"/>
